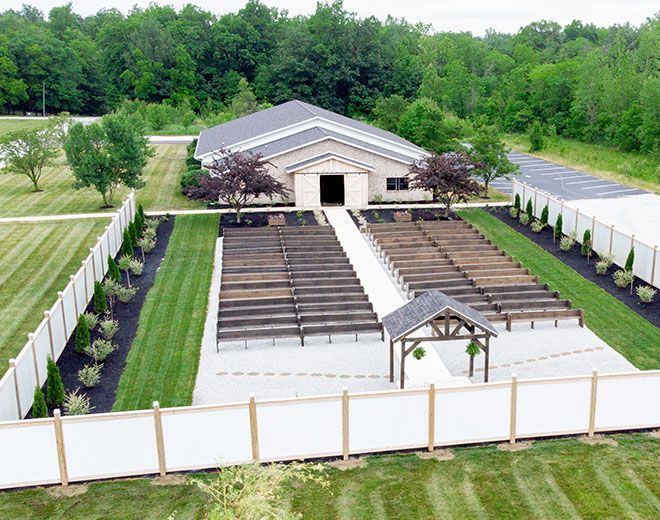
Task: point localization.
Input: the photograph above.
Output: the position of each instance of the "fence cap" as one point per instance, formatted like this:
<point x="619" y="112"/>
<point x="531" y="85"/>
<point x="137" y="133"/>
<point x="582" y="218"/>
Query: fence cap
<point x="12" y="362"/>
<point x="514" y="375"/>
<point x="156" y="404"/>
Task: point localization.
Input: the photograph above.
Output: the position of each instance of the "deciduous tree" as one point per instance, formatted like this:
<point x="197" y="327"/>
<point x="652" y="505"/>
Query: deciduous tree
<point x="489" y="150"/>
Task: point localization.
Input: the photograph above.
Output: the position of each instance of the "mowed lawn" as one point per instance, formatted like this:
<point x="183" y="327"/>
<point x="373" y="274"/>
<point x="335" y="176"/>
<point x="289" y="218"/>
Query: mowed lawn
<point x="615" y="323"/>
<point x="161" y="192"/>
<point x="9" y="125"/>
<point x="36" y="260"/>
<point x="162" y="363"/>
<point x="555" y="479"/>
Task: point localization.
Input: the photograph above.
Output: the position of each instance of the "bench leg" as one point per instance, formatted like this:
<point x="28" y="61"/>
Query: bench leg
<point x="532" y="324"/>
<point x="556" y="323"/>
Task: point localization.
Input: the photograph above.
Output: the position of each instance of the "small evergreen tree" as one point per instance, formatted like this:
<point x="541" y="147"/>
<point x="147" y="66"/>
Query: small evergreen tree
<point x="139" y="226"/>
<point x="544" y="215"/>
<point x="54" y="385"/>
<point x="517" y="203"/>
<point x="557" y="230"/>
<point x="39" y="408"/>
<point x="630" y="260"/>
<point x="113" y="270"/>
<point x="100" y="301"/>
<point x="82" y="335"/>
<point x="140" y="211"/>
<point x="530" y="210"/>
<point x="132" y="232"/>
<point x="127" y="244"/>
<point x="586" y="244"/>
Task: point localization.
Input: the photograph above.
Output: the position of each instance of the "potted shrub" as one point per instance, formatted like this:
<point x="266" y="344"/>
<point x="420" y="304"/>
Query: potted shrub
<point x="402" y="216"/>
<point x="276" y="219"/>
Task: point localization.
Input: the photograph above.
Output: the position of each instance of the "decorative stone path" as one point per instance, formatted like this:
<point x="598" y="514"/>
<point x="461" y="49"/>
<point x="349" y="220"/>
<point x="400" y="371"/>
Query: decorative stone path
<point x="303" y="374"/>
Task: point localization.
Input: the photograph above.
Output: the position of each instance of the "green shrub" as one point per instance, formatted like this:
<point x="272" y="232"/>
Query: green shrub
<point x="111" y="288"/>
<point x="537" y="226"/>
<point x="513" y="212"/>
<point x="530" y="210"/>
<point x="191" y="178"/>
<point x="544" y="215"/>
<point x="602" y="267"/>
<point x="135" y="266"/>
<point x="623" y="278"/>
<point x="108" y="328"/>
<point x="54" y="385"/>
<point x="90" y="375"/>
<point x="630" y="260"/>
<point x="192" y="163"/>
<point x="517" y="203"/>
<point x="39" y="408"/>
<point x="100" y="300"/>
<point x="124" y="265"/>
<point x="139" y="227"/>
<point x="91" y="319"/>
<point x="127" y="243"/>
<point x="646" y="293"/>
<point x="140" y="211"/>
<point x="113" y="271"/>
<point x="524" y="219"/>
<point x="586" y="243"/>
<point x="125" y="294"/>
<point x="146" y="245"/>
<point x="77" y="404"/>
<point x="419" y="353"/>
<point x="100" y="350"/>
<point x="566" y="243"/>
<point x="557" y="230"/>
<point x="536" y="137"/>
<point x="152" y="223"/>
<point x="82" y="335"/>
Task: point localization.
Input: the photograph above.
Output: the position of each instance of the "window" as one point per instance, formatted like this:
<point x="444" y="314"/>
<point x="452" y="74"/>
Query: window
<point x="397" y="184"/>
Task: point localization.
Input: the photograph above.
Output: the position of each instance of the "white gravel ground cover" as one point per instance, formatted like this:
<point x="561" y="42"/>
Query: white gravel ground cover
<point x="544" y="351"/>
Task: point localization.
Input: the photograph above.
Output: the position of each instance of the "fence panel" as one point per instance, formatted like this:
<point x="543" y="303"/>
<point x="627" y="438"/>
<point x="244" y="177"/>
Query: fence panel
<point x="643" y="264"/>
<point x="293" y="429"/>
<point x="553" y="407"/>
<point x="206" y="438"/>
<point x="626" y="402"/>
<point x="110" y="445"/>
<point x="27" y="378"/>
<point x="388" y="421"/>
<point x="583" y="223"/>
<point x="60" y="337"/>
<point x="8" y="409"/>
<point x="472" y="414"/>
<point x="601" y="239"/>
<point x="554" y="209"/>
<point x="29" y="454"/>
<point x="620" y="247"/>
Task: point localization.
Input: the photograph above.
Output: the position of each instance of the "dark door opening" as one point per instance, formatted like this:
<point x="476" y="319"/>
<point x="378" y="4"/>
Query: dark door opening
<point x="332" y="190"/>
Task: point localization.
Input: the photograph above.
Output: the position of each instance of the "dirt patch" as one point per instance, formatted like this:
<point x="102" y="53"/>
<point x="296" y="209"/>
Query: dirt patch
<point x="598" y="440"/>
<point x="440" y="455"/>
<point x="379" y="216"/>
<point x="517" y="446"/>
<point x="260" y="219"/>
<point x="655" y="434"/>
<point x="351" y="463"/>
<point x="67" y="491"/>
<point x="169" y="480"/>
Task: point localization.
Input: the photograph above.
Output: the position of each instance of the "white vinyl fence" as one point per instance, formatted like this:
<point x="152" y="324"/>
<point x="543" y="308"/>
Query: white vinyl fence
<point x="49" y="339"/>
<point x="605" y="239"/>
<point x="79" y="448"/>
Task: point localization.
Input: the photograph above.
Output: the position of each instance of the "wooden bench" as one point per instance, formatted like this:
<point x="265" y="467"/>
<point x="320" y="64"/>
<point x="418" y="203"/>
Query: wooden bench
<point x="554" y="315"/>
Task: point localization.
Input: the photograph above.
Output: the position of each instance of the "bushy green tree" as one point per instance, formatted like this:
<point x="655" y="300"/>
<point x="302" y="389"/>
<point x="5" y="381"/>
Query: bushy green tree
<point x="529" y="209"/>
<point x="132" y="233"/>
<point x="557" y="230"/>
<point x="544" y="215"/>
<point x="423" y="123"/>
<point x="536" y="137"/>
<point x="54" y="385"/>
<point x="630" y="259"/>
<point x="39" y="408"/>
<point x="113" y="270"/>
<point x="100" y="300"/>
<point x="82" y="335"/>
<point x="517" y="203"/>
<point x="586" y="243"/>
<point x="489" y="150"/>
<point x="127" y="243"/>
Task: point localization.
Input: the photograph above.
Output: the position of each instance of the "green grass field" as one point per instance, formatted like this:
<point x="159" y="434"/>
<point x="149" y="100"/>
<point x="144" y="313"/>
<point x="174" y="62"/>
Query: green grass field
<point x="621" y="328"/>
<point x="36" y="260"/>
<point x="162" y="363"/>
<point x="15" y="124"/>
<point x="554" y="479"/>
<point x="162" y="190"/>
<point x="634" y="169"/>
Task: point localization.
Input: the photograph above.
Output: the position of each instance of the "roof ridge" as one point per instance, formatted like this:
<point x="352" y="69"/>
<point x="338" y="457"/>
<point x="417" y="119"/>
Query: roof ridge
<point x="305" y="106"/>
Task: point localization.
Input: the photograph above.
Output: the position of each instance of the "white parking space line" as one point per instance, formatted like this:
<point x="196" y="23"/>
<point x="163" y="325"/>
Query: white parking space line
<point x="557" y="173"/>
<point x="569" y="177"/>
<point x="599" y="187"/>
<point x="619" y="191"/>
<point x="584" y="182"/>
<point x="546" y="168"/>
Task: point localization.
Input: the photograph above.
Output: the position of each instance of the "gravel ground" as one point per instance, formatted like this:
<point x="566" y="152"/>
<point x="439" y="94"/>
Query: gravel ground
<point x="544" y="351"/>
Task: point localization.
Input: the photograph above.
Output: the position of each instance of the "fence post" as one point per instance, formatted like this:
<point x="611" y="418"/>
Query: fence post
<point x="60" y="297"/>
<point x="344" y="424"/>
<point x="50" y="334"/>
<point x="72" y="280"/>
<point x="577" y="217"/>
<point x="522" y="204"/>
<point x="592" y="402"/>
<point x="593" y="230"/>
<point x="254" y="431"/>
<point x="160" y="445"/>
<point x="12" y="367"/>
<point x="514" y="409"/>
<point x="611" y="238"/>
<point x="61" y="453"/>
<point x="34" y="356"/>
<point x="655" y="253"/>
<point x="93" y="254"/>
<point x="534" y="209"/>
<point x="115" y="227"/>
<point x="431" y="417"/>
<point x="84" y="272"/>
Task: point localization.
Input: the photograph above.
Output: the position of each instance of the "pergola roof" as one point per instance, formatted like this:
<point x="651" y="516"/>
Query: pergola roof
<point x="427" y="307"/>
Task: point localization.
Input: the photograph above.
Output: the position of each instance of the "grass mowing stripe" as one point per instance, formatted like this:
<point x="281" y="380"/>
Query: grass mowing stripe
<point x="162" y="363"/>
<point x="615" y="323"/>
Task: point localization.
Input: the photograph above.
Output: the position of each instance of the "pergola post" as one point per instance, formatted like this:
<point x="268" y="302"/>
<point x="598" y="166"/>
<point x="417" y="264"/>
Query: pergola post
<point x="403" y="363"/>
<point x="391" y="361"/>
<point x="487" y="359"/>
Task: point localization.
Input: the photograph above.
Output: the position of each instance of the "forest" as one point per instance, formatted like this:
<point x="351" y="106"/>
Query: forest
<point x="594" y="84"/>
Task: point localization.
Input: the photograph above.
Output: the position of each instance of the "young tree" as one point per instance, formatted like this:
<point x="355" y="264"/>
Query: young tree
<point x="244" y="102"/>
<point x="127" y="243"/>
<point x="140" y="212"/>
<point x="100" y="300"/>
<point x="82" y="335"/>
<point x="630" y="259"/>
<point x="472" y="350"/>
<point x="529" y="209"/>
<point x="517" y="203"/>
<point x="489" y="150"/>
<point x="586" y="244"/>
<point x="113" y="270"/>
<point x="237" y="178"/>
<point x="124" y="265"/>
<point x="28" y="152"/>
<point x="536" y="137"/>
<point x="108" y="154"/>
<point x="39" y="408"/>
<point x="545" y="212"/>
<point x="132" y="232"/>
<point x="54" y="385"/>
<point x="448" y="177"/>
<point x="558" y="230"/>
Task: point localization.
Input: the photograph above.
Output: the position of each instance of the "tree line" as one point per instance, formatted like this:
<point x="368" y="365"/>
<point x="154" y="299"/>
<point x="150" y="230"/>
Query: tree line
<point x="592" y="83"/>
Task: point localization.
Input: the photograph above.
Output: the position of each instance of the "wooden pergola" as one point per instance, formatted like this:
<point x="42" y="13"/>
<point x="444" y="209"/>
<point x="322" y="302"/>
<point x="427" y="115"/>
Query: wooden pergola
<point x="448" y="319"/>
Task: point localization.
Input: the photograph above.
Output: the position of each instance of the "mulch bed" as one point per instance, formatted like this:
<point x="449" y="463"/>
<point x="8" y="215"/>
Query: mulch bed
<point x="102" y="396"/>
<point x="377" y="216"/>
<point x="574" y="259"/>
<point x="260" y="219"/>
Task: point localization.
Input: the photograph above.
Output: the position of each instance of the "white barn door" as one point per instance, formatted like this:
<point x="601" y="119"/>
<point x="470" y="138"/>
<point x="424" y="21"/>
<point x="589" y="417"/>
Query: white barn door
<point x="356" y="189"/>
<point x="308" y="190"/>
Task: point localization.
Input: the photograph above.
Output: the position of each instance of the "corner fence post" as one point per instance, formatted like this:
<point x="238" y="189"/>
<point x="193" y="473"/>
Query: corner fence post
<point x="61" y="452"/>
<point x="431" y="417"/>
<point x="254" y="432"/>
<point x="655" y="254"/>
<point x="12" y="367"/>
<point x="160" y="445"/>
<point x="592" y="402"/>
<point x="344" y="424"/>
<point x="514" y="409"/>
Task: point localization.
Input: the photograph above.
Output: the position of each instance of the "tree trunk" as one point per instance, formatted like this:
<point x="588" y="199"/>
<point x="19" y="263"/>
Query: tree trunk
<point x="446" y="210"/>
<point x="485" y="189"/>
<point x="471" y="372"/>
<point x="35" y="183"/>
<point x="128" y="278"/>
<point x="238" y="215"/>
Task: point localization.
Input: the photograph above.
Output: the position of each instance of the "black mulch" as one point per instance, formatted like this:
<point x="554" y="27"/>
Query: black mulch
<point x="102" y="396"/>
<point x="260" y="219"/>
<point x="575" y="260"/>
<point x="379" y="216"/>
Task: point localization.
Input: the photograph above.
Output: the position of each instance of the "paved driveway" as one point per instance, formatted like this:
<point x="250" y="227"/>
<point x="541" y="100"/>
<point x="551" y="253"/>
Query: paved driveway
<point x="561" y="181"/>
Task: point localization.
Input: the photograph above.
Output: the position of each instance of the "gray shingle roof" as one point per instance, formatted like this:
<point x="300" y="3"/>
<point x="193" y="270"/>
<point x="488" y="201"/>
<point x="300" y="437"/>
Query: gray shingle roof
<point x="424" y="308"/>
<point x="277" y="117"/>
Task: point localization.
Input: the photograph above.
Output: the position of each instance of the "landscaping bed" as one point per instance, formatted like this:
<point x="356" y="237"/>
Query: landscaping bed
<point x="260" y="219"/>
<point x="382" y="216"/>
<point x="574" y="259"/>
<point x="102" y="396"/>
